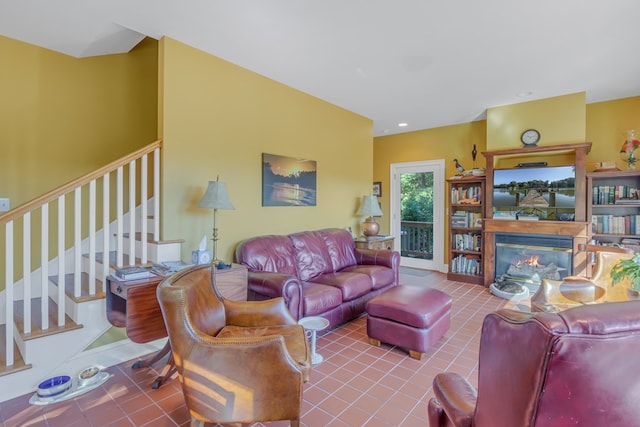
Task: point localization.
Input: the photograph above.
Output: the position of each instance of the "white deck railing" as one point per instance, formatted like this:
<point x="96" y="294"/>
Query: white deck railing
<point x="78" y="246"/>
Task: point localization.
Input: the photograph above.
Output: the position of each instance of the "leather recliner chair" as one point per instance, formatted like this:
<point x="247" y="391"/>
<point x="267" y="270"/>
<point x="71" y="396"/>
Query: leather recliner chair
<point x="576" y="367"/>
<point x="236" y="361"/>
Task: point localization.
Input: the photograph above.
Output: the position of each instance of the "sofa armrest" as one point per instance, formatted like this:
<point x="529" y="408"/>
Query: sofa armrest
<point x="457" y="397"/>
<point x="390" y="259"/>
<point x="273" y="285"/>
<point x="385" y="258"/>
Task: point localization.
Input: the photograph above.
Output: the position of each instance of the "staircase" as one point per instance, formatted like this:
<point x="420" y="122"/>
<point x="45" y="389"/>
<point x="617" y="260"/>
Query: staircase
<point x="52" y="310"/>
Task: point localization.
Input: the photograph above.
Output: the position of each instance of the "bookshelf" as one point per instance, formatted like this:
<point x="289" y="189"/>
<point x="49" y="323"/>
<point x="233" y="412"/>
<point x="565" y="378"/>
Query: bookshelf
<point x="465" y="216"/>
<point x="613" y="208"/>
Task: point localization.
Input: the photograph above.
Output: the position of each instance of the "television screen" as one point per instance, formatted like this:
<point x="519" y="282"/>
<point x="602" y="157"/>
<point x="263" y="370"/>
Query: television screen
<point x="546" y="192"/>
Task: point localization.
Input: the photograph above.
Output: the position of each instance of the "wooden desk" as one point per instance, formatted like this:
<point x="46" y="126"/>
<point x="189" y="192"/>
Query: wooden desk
<point x="133" y="305"/>
<point x="376" y="243"/>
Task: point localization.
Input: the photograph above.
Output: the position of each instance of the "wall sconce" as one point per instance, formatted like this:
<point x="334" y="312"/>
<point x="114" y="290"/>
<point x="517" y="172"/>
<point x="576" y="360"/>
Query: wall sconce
<point x="215" y="198"/>
<point x="370" y="208"/>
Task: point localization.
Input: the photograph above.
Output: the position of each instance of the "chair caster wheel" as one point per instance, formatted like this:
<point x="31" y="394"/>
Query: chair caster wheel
<point x="156" y="384"/>
<point x="137" y="365"/>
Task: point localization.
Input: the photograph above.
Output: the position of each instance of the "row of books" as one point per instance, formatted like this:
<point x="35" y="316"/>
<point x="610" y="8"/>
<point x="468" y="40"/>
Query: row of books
<point x="467" y="241"/>
<point x="615" y="224"/>
<point x="459" y="194"/>
<point x="615" y="194"/>
<point x="466" y="264"/>
<point x="466" y="219"/>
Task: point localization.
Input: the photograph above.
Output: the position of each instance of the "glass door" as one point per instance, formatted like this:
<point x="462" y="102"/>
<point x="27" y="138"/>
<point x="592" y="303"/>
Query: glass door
<point x="417" y="212"/>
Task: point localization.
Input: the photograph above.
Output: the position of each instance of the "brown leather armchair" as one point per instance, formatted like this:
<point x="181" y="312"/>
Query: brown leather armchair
<point x="236" y="361"/>
<point x="576" y="367"/>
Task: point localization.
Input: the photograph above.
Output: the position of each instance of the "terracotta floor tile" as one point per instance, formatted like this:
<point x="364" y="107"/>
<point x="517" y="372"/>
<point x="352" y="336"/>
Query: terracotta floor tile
<point x="358" y="384"/>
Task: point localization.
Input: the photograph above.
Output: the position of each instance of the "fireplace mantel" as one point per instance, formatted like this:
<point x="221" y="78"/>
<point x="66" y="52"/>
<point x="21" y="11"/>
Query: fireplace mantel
<point x="576" y="229"/>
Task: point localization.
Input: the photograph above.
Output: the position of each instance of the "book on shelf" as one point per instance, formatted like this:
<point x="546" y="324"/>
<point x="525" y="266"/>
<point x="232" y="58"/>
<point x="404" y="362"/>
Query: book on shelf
<point x="627" y="201"/>
<point x="527" y="217"/>
<point x="504" y="215"/>
<point x="133" y="272"/>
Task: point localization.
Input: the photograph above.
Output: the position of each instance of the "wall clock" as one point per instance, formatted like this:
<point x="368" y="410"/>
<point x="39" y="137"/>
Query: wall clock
<point x="530" y="137"/>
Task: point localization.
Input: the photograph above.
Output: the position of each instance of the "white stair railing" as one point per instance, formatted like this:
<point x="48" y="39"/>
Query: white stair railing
<point x="36" y="265"/>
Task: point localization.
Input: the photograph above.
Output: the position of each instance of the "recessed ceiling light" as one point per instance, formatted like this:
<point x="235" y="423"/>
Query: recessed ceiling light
<point x="403" y="125"/>
<point x="525" y="94"/>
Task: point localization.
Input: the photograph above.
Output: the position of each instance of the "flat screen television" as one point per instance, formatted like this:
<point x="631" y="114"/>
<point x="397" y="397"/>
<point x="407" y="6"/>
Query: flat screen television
<point x="541" y="192"/>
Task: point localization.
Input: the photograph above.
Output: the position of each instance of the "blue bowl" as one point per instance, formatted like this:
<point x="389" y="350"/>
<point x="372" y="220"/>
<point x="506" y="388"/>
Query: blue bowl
<point x="54" y="386"/>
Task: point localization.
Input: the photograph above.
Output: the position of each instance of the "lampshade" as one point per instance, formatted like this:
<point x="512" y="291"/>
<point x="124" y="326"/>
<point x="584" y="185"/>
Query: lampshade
<point x="369" y="206"/>
<point x="216" y="197"/>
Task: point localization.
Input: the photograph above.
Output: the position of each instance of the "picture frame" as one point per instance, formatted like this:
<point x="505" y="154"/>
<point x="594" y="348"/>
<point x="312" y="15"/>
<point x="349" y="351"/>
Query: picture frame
<point x="377" y="189"/>
<point x="288" y="181"/>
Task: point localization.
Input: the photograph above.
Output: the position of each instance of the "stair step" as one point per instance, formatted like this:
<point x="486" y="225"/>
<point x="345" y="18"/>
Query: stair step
<point x="150" y="239"/>
<point x="84" y="287"/>
<point x="18" y="361"/>
<point x="36" y="320"/>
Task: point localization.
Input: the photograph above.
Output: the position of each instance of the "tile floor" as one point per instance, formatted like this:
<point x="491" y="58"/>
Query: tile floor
<point x="356" y="385"/>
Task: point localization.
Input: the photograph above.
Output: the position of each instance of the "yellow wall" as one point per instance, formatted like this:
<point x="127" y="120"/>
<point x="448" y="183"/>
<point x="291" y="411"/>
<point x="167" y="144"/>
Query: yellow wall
<point x="607" y="125"/>
<point x="218" y="119"/>
<point x="560" y="120"/>
<point x="61" y="117"/>
<point x="446" y="143"/>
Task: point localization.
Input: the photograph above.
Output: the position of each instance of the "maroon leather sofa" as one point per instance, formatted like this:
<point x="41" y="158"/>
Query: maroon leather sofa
<point x="578" y="367"/>
<point x="318" y="273"/>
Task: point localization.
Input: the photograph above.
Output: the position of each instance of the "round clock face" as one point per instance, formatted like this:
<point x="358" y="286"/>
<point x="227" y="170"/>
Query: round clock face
<point x="530" y="137"/>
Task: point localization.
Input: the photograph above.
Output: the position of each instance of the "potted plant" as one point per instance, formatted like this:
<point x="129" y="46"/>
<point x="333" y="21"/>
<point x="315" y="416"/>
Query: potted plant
<point x="628" y="269"/>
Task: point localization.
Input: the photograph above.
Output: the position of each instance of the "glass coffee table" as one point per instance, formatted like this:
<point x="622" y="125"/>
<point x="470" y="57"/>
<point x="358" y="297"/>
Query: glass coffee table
<point x="311" y="325"/>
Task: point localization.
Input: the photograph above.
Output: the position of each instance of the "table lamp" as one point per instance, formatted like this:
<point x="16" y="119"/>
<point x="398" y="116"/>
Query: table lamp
<point x="370" y="208"/>
<point x="215" y="198"/>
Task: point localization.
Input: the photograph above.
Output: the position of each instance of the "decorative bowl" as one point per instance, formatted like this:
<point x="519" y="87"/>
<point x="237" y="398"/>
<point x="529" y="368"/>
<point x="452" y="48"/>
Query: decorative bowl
<point x="88" y="375"/>
<point x="565" y="216"/>
<point x="54" y="386"/>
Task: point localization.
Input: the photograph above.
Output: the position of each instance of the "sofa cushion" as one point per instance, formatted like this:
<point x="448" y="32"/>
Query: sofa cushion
<point x="268" y="253"/>
<point x="317" y="298"/>
<point x="340" y="246"/>
<point x="311" y="254"/>
<point x="381" y="276"/>
<point x="351" y="285"/>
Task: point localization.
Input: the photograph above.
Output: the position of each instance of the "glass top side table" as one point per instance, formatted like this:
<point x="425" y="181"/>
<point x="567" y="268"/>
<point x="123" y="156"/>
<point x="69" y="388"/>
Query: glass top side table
<point x="313" y="324"/>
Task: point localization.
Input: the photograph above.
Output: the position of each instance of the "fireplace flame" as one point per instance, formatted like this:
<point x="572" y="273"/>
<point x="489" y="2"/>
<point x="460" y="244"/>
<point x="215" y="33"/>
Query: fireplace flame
<point x="532" y="261"/>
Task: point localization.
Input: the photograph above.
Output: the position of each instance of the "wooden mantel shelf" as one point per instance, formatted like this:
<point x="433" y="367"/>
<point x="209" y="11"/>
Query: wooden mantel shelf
<point x="567" y="148"/>
<point x="563" y="228"/>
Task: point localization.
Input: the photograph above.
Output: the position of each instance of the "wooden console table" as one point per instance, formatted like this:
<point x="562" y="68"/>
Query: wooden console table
<point x="133" y="305"/>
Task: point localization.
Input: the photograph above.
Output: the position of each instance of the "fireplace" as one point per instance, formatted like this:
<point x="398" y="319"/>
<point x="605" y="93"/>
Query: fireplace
<point x="527" y="259"/>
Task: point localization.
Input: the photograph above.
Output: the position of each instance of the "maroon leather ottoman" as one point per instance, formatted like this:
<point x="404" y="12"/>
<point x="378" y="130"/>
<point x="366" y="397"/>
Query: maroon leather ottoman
<point x="410" y="317"/>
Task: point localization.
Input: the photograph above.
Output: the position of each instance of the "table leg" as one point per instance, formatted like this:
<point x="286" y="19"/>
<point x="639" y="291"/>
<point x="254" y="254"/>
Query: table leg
<point x="168" y="369"/>
<point x="315" y="357"/>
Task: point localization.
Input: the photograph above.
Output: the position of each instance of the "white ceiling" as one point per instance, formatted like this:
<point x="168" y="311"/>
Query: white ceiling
<point x="428" y="63"/>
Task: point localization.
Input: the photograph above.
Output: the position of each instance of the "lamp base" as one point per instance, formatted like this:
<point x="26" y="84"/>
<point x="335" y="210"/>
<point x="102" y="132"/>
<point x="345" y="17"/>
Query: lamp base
<point x="370" y="227"/>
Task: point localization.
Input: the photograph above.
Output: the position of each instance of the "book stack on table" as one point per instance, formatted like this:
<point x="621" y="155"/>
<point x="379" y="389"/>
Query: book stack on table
<point x="133" y="272"/>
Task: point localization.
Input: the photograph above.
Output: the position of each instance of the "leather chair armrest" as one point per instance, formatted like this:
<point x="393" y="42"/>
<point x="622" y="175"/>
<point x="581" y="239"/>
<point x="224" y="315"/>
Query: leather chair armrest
<point x="457" y="397"/>
<point x="273" y="285"/>
<point x="271" y="312"/>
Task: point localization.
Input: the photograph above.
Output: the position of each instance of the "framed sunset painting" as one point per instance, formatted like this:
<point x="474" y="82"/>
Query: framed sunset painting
<point x="288" y="181"/>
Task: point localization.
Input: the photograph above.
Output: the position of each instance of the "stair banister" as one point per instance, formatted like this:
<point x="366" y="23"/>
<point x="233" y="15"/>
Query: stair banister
<point x="76" y="255"/>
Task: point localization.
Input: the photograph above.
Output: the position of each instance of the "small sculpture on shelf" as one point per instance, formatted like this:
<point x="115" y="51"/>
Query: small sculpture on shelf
<point x="459" y="167"/>
<point x="628" y="151"/>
